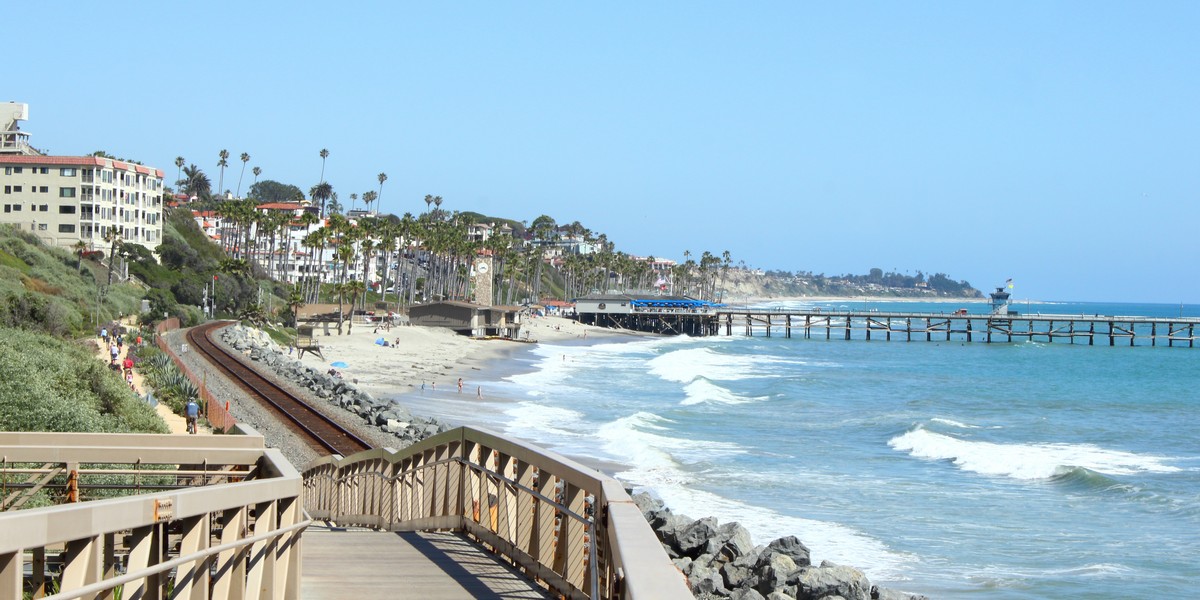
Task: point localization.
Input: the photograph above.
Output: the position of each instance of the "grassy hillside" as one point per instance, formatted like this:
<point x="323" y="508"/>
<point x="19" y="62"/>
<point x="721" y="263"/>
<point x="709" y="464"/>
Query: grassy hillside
<point x="48" y="384"/>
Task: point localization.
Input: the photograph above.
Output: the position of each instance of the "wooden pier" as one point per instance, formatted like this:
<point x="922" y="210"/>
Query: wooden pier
<point x="985" y="327"/>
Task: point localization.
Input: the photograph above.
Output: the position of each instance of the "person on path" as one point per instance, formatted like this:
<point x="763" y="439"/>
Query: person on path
<point x="193" y="413"/>
<point x="113" y="351"/>
<point x="128" y="364"/>
<point x="104" y="335"/>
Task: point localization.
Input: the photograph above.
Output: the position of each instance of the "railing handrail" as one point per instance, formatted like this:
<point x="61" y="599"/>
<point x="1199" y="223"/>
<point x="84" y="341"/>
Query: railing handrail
<point x="511" y="495"/>
<point x="255" y="507"/>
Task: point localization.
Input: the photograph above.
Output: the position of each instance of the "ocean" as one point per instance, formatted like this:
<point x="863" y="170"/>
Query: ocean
<point x="952" y="469"/>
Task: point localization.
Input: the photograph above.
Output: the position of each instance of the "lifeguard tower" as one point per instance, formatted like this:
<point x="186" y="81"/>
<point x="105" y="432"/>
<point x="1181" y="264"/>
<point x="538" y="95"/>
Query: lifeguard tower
<point x="1001" y="300"/>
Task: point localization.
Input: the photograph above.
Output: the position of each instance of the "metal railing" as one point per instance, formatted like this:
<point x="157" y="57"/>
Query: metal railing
<point x="567" y="526"/>
<point x="209" y="517"/>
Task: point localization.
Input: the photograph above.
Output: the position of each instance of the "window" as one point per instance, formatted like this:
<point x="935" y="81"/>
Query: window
<point x="16" y="189"/>
<point x="67" y="172"/>
<point x="44" y="208"/>
<point x="66" y="229"/>
<point x="45" y="189"/>
<point x="41" y="226"/>
<point x="7" y="208"/>
<point x="66" y="192"/>
<point x="66" y="210"/>
<point x="8" y="170"/>
<point x="17" y="169"/>
<point x="16" y="208"/>
<point x="8" y="189"/>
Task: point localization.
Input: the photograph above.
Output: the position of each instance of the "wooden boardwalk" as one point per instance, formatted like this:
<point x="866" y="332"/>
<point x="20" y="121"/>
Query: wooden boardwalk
<point x="364" y="564"/>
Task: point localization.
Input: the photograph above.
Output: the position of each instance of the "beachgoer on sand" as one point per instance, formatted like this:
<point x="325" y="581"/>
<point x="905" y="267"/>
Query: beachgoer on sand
<point x="460" y="385"/>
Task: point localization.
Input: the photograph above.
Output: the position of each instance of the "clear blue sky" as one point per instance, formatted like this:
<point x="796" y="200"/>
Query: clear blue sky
<point x="1052" y="142"/>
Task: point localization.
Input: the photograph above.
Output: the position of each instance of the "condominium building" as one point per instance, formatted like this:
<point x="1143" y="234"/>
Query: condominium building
<point x="66" y="199"/>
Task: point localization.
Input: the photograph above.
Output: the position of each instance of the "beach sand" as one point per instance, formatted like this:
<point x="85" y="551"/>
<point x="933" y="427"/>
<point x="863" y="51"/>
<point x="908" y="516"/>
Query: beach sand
<point x="434" y="357"/>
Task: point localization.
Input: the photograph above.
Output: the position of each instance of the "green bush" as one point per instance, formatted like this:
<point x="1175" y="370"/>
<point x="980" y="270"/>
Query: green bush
<point x="47" y="384"/>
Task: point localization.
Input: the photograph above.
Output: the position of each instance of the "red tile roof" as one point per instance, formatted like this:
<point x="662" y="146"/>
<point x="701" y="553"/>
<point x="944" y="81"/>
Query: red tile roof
<point x="79" y="161"/>
<point x="280" y="206"/>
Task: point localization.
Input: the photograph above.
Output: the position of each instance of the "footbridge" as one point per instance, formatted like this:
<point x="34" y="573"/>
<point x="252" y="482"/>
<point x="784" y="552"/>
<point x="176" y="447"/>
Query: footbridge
<point x="465" y="514"/>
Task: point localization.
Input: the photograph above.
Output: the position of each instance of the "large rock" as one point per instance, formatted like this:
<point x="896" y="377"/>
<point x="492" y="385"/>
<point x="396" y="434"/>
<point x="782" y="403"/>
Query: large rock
<point x="878" y="593"/>
<point x="793" y="547"/>
<point x="746" y="594"/>
<point x="693" y="540"/>
<point x="732" y="541"/>
<point x="706" y="580"/>
<point x="816" y="583"/>
<point x="772" y="572"/>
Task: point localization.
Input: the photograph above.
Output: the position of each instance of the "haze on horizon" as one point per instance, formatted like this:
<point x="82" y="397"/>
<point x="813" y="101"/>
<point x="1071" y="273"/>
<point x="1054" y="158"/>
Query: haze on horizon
<point x="1050" y="142"/>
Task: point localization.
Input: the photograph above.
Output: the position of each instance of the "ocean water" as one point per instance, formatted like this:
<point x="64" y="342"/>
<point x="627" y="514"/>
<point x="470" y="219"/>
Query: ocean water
<point x="1023" y="470"/>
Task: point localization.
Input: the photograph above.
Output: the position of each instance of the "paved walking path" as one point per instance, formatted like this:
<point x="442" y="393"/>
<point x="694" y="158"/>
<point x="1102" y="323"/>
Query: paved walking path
<point x="364" y="564"/>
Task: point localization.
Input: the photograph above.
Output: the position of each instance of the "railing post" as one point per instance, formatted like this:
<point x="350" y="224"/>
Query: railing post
<point x="260" y="581"/>
<point x="230" y="581"/>
<point x="82" y="562"/>
<point x="191" y="581"/>
<point x="12" y="568"/>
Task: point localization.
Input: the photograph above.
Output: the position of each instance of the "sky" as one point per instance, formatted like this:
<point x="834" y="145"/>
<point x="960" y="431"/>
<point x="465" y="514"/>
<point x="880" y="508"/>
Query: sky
<point x="1054" y="143"/>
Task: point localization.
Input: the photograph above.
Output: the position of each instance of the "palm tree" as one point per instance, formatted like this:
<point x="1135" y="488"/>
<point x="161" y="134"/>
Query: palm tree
<point x="295" y="300"/>
<point x="113" y="236"/>
<point x="428" y="201"/>
<point x="80" y="247"/>
<point x="178" y="165"/>
<point x="321" y="192"/>
<point x="224" y="162"/>
<point x="382" y="178"/>
<point x="245" y="159"/>
<point x="368" y="198"/>
<point x="324" y="155"/>
<point x="196" y="183"/>
<point x="353" y="199"/>
<point x="354" y="288"/>
<point x="437" y="201"/>
<point x="257" y="171"/>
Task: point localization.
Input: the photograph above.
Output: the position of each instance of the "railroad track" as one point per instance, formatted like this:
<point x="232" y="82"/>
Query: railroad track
<point x="321" y="432"/>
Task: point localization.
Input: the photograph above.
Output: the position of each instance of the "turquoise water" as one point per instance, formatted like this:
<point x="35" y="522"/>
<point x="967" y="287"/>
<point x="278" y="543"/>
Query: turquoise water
<point x="1024" y="470"/>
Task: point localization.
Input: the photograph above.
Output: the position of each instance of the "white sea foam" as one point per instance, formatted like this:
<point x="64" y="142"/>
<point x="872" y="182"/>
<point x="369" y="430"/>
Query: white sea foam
<point x="1026" y="461"/>
<point x="526" y="417"/>
<point x="689" y="364"/>
<point x="953" y="423"/>
<point x="703" y="391"/>
<point x="659" y="463"/>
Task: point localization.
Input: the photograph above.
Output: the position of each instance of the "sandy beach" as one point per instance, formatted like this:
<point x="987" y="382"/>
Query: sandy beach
<point x="433" y="357"/>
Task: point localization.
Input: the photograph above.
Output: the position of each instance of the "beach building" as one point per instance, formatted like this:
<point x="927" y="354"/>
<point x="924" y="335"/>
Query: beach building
<point x="468" y="319"/>
<point x="64" y="200"/>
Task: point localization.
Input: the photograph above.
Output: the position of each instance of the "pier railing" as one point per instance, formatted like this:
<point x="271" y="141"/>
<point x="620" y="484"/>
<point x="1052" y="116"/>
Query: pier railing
<point x="563" y="524"/>
<point x="148" y="516"/>
<point x="961" y="326"/>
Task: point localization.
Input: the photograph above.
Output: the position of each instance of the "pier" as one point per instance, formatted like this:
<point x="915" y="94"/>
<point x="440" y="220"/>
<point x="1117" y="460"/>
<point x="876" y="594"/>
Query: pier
<point x="958" y="326"/>
<point x="686" y="316"/>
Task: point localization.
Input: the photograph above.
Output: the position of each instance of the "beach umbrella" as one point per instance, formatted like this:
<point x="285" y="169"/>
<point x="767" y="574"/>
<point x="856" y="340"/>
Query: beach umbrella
<point x="339" y="365"/>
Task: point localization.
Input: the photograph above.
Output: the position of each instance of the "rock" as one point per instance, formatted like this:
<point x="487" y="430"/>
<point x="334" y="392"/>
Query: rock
<point x="670" y="531"/>
<point x="772" y="572"/>
<point x="815" y="583"/>
<point x="705" y="580"/>
<point x="792" y="547"/>
<point x="647" y="504"/>
<point x="781" y="596"/>
<point x="746" y="594"/>
<point x="735" y="575"/>
<point x="692" y="540"/>
<point x="878" y="593"/>
<point x="731" y="542"/>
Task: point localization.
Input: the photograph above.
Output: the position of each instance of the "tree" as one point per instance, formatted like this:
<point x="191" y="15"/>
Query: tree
<point x="196" y="183"/>
<point x="353" y="199"/>
<point x="178" y="166"/>
<point x="324" y="155"/>
<point x="245" y="159"/>
<point x="295" y="300"/>
<point x="368" y="198"/>
<point x="257" y="171"/>
<point x="113" y="236"/>
<point x="382" y="178"/>
<point x="269" y="190"/>
<point x="224" y="162"/>
<point x="321" y="193"/>
<point x="80" y="247"/>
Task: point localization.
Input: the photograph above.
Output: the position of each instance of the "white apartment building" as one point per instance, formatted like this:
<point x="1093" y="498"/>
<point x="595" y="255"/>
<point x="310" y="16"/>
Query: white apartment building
<point x="65" y="199"/>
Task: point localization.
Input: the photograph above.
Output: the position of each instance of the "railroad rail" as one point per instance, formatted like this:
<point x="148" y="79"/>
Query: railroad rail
<point x="322" y="433"/>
